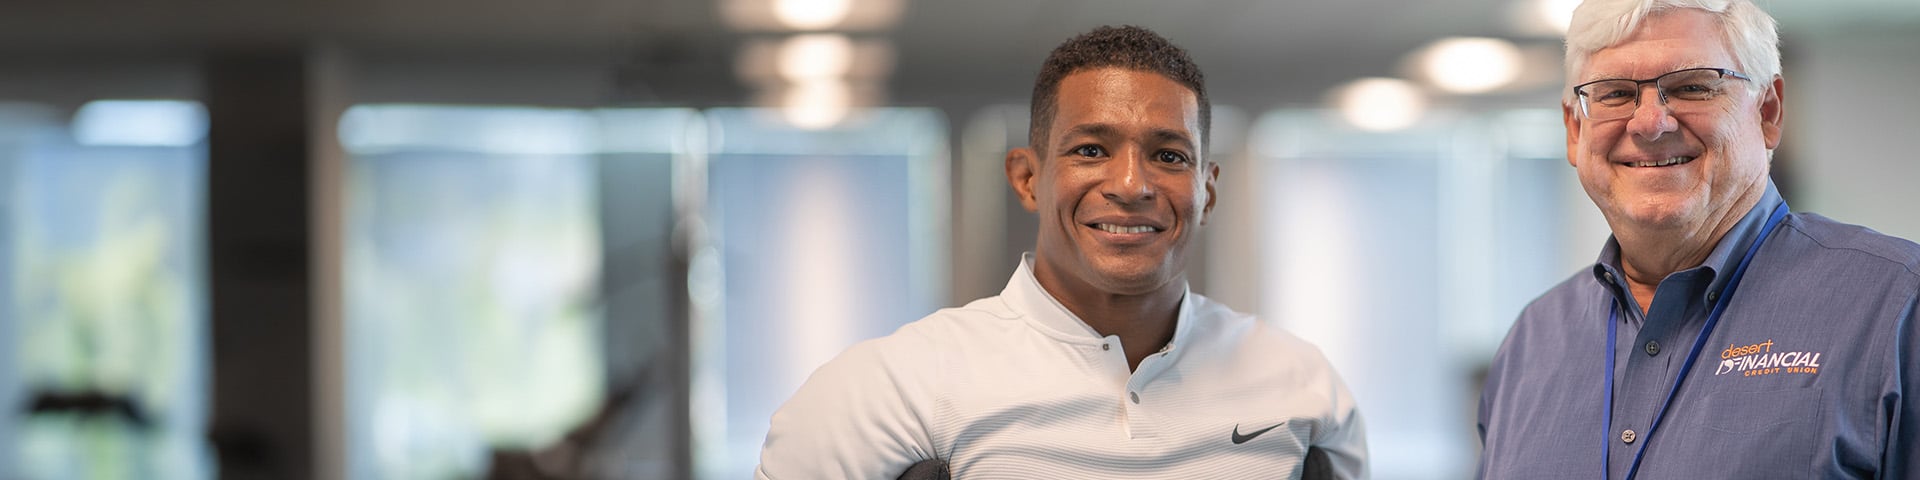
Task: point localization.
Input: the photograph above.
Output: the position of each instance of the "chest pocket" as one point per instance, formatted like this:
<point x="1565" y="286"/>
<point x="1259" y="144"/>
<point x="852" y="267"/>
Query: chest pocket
<point x="1763" y="434"/>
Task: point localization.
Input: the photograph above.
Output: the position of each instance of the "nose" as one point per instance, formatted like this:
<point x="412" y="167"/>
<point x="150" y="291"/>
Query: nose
<point x="1127" y="179"/>
<point x="1651" y="117"/>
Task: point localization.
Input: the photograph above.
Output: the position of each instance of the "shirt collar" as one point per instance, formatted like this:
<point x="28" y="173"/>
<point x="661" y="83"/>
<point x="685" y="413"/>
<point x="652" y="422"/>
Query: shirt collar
<point x="1025" y="295"/>
<point x="1724" y="257"/>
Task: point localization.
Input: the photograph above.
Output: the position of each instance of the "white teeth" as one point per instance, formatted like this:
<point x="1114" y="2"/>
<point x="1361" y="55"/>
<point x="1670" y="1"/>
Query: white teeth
<point x="1119" y="229"/>
<point x="1662" y="163"/>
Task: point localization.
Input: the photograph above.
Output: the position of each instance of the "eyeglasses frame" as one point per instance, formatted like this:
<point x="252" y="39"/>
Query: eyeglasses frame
<point x="1588" y="114"/>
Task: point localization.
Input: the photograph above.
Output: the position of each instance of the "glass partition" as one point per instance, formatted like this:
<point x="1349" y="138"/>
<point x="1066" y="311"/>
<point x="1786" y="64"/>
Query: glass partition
<point x="1406" y="256"/>
<point x="509" y="285"/>
<point x="102" y="291"/>
<point x="817" y="239"/>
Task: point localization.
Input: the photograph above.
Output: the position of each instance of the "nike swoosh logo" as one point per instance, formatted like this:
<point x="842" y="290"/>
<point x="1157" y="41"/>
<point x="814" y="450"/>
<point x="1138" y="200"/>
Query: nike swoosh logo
<point x="1239" y="439"/>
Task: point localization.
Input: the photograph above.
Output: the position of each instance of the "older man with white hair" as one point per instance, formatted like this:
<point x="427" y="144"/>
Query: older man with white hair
<point x="1719" y="334"/>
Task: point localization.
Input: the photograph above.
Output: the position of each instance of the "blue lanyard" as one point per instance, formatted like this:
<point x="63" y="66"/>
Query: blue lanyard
<point x="1613" y="322"/>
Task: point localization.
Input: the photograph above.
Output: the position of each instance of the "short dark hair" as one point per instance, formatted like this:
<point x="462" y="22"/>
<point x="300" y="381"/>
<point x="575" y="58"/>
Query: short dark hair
<point x="1129" y="47"/>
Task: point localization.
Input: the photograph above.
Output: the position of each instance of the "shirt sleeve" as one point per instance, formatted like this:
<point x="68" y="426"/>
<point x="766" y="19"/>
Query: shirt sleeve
<point x="1489" y="388"/>
<point x="1345" y="441"/>
<point x="851" y="419"/>
<point x="1901" y="457"/>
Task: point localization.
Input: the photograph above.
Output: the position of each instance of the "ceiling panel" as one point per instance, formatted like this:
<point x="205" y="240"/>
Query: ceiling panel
<point x="1255" y="51"/>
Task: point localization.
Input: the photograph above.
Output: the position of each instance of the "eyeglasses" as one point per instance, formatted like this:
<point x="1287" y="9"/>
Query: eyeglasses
<point x="1694" y="88"/>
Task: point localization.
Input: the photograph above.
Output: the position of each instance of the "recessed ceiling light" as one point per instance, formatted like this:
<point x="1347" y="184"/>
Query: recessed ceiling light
<point x="815" y="56"/>
<point x="817" y="104"/>
<point x="1470" y="65"/>
<point x="1380" y="104"/>
<point x="811" y="14"/>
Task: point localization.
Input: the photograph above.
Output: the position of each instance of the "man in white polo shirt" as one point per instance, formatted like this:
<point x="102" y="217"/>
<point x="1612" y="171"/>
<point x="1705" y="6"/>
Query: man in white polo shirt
<point x="1095" y="361"/>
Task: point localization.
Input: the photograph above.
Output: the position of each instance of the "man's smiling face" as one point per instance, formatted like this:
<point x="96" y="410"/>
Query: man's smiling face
<point x="1669" y="168"/>
<point x="1121" y="186"/>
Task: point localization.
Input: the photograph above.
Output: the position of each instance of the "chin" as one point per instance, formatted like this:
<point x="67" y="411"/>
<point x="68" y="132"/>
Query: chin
<point x="1130" y="276"/>
<point x="1673" y="213"/>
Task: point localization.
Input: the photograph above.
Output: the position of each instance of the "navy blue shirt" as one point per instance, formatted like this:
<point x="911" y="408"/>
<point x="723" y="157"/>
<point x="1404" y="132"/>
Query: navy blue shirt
<point x="1813" y="371"/>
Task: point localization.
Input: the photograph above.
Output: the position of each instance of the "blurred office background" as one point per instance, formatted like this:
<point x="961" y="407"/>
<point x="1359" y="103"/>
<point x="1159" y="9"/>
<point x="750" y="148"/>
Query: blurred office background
<point x="429" y="239"/>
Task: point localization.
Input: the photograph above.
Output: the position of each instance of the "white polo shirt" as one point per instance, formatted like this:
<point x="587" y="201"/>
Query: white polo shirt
<point x="1016" y="386"/>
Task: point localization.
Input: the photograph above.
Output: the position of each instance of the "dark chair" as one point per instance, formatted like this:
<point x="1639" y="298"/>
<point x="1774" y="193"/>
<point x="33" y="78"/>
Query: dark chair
<point x="930" y="469"/>
<point x="1317" y="467"/>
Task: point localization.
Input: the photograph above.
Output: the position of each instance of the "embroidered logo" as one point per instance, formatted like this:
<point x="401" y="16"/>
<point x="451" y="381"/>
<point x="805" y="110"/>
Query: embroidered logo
<point x="1761" y="359"/>
<point x="1239" y="439"/>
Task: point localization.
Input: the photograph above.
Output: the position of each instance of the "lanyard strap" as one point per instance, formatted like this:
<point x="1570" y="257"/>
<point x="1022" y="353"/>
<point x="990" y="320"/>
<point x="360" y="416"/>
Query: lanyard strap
<point x="1613" y="322"/>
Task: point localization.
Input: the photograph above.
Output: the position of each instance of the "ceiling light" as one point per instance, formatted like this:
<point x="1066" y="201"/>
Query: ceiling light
<point x="815" y="57"/>
<point x="817" y="104"/>
<point x="1470" y="65"/>
<point x="155" y="123"/>
<point x="1541" y="18"/>
<point x="1555" y="14"/>
<point x="1380" y="104"/>
<point x="811" y="14"/>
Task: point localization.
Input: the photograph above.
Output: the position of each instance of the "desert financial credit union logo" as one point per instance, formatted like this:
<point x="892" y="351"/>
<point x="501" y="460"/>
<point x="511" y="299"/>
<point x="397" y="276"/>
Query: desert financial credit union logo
<point x="1760" y="359"/>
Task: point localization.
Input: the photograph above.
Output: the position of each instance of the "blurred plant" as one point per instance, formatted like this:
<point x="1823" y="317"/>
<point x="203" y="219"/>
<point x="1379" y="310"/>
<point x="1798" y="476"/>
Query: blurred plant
<point x="104" y="313"/>
<point x="473" y="313"/>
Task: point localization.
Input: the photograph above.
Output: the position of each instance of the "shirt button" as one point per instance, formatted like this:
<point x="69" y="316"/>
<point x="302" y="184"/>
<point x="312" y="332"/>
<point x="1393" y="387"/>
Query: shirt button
<point x="1627" y="436"/>
<point x="1713" y="297"/>
<point x="1653" y="348"/>
<point x="1608" y="276"/>
<point x="1106" y="346"/>
<point x="1136" y="397"/>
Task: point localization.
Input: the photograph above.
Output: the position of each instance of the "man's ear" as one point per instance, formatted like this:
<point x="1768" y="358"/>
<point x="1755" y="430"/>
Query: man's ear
<point x="1572" y="118"/>
<point x="1023" y="166"/>
<point x="1773" y="111"/>
<point x="1213" y="176"/>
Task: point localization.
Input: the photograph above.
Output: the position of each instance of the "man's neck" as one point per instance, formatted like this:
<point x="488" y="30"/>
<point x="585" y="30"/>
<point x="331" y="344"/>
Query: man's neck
<point x="1644" y="272"/>
<point x="1144" y="322"/>
<point x="1649" y="255"/>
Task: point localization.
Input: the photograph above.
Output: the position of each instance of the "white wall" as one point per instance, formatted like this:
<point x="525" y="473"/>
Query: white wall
<point x="1853" y="105"/>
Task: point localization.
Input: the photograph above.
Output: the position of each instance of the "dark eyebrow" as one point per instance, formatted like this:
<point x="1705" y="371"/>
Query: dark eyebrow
<point x="1172" y="136"/>
<point x="1101" y="130"/>
<point x="1097" y="130"/>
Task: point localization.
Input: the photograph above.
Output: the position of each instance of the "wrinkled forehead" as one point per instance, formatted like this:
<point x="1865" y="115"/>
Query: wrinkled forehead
<point x="1665" y="41"/>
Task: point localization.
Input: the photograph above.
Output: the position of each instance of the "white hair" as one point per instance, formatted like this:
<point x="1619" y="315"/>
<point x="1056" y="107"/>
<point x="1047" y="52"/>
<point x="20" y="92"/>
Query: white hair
<point x="1749" y="32"/>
